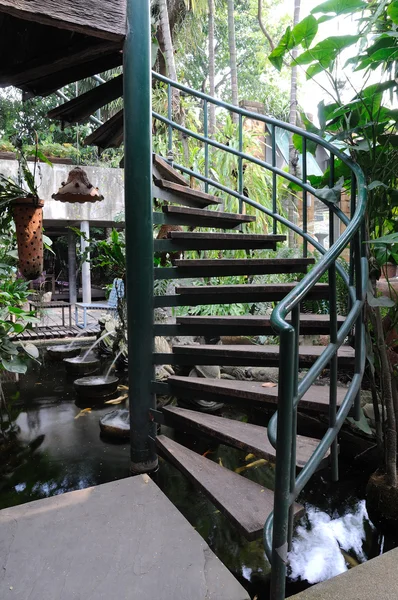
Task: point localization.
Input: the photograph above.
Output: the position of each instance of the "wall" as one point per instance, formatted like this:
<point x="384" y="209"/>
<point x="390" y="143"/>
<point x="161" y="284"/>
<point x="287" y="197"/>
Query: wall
<point x="109" y="181"/>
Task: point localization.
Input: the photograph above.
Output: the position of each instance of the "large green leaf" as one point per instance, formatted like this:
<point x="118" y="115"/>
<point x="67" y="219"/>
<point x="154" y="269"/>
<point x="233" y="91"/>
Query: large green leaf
<point x="391" y="238"/>
<point x="331" y="195"/>
<point x="392" y="11"/>
<point x="305" y="31"/>
<point x="339" y="7"/>
<point x="314" y="70"/>
<point x="16" y="365"/>
<point x="277" y="55"/>
<point x="326" y="51"/>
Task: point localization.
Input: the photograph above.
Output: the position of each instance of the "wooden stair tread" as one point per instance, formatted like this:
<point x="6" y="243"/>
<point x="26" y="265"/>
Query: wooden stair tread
<point x="197" y="217"/>
<point x="284" y="288"/>
<point x="245" y="436"/>
<point x="194" y="295"/>
<point x="183" y="190"/>
<point x="316" y="398"/>
<point x="242" y="261"/>
<point x="245" y="325"/>
<point x="208" y="213"/>
<point x="270" y="353"/>
<point x="245" y="502"/>
<point x="223" y="267"/>
<point x="167" y="170"/>
<point x="188" y="240"/>
<point x="189" y="235"/>
<point x="306" y="319"/>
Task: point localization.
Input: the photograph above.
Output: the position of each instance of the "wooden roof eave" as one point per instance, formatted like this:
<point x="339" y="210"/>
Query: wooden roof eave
<point x="103" y="18"/>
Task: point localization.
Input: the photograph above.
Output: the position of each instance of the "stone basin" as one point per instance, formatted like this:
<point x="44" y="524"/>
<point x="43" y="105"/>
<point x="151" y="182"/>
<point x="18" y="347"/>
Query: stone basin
<point x="82" y="367"/>
<point x="116" y="424"/>
<point x="94" y="386"/>
<point x="63" y="351"/>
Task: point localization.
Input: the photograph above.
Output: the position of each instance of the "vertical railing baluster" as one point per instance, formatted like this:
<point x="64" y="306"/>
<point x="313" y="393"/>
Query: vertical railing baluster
<point x="240" y="164"/>
<point x="280" y="530"/>
<point x="274" y="180"/>
<point x="333" y="338"/>
<point x="169" y="129"/>
<point x="296" y="325"/>
<point x="304" y="179"/>
<point x="359" y="251"/>
<point x="206" y="134"/>
<point x="352" y="245"/>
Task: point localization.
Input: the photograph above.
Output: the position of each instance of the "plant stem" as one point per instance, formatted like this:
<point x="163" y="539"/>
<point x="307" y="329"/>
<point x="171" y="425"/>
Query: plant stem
<point x="391" y="431"/>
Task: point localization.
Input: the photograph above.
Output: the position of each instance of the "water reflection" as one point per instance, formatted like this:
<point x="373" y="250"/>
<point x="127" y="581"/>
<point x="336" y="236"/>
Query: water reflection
<point x="57" y="453"/>
<point x="317" y="548"/>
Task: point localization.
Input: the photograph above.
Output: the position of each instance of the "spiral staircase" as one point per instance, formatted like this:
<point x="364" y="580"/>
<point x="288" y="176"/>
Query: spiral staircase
<point x="188" y="207"/>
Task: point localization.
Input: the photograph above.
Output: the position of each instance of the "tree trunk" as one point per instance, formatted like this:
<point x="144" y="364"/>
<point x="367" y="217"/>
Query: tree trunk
<point x="212" y="84"/>
<point x="232" y="56"/>
<point x="293" y="154"/>
<point x="177" y="110"/>
<point x="168" y="48"/>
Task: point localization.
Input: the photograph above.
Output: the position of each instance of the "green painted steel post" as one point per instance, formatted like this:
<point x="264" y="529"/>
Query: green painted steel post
<point x="334" y="461"/>
<point x="274" y="179"/>
<point x="206" y="134"/>
<point x="283" y="462"/>
<point x="305" y="199"/>
<point x="169" y="129"/>
<point x="240" y="164"/>
<point x="139" y="235"/>
<point x="296" y="325"/>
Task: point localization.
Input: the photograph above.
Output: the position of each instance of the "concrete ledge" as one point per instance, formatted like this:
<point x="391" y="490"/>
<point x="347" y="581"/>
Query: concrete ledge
<point x="373" y="580"/>
<point x="122" y="540"/>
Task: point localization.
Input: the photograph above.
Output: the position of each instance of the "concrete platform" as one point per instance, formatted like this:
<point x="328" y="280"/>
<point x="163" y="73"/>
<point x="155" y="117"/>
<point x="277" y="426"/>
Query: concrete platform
<point x="121" y="540"/>
<point x="373" y="580"/>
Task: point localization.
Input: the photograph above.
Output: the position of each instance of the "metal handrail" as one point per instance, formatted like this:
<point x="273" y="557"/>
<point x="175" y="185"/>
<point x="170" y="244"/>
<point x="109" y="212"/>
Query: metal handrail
<point x="283" y="425"/>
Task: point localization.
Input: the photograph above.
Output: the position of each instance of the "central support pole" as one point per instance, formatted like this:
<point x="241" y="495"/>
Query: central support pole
<point x="139" y="231"/>
<point x="86" y="268"/>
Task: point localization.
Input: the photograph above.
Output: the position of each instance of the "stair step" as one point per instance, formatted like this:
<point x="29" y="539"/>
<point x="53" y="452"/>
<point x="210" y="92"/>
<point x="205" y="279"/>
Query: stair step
<point x="246" y="355"/>
<point x="244" y="436"/>
<point x="181" y="194"/>
<point x="179" y="215"/>
<point x="245" y="325"/>
<point x="225" y="267"/>
<point x="188" y="240"/>
<point x="167" y="171"/>
<point x="246" y="503"/>
<point x="194" y="295"/>
<point x="252" y="392"/>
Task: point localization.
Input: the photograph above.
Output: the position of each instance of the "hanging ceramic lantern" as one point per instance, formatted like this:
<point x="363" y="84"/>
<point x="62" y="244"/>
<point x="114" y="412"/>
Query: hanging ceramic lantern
<point x="28" y="217"/>
<point x="77" y="188"/>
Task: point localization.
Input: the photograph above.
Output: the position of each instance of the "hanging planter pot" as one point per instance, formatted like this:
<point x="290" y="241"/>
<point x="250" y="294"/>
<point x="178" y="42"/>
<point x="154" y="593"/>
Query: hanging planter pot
<point x="28" y="217"/>
<point x="77" y="189"/>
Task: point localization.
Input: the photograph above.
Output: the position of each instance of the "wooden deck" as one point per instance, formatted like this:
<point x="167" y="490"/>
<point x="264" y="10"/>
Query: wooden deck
<point x="122" y="540"/>
<point x="53" y="332"/>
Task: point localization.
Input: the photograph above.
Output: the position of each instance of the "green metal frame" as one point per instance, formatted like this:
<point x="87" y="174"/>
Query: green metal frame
<point x="139" y="228"/>
<point x="140" y="277"/>
<point x="283" y="425"/>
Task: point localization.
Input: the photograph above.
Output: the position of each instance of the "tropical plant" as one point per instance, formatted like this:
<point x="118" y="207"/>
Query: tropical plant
<point x="14" y="319"/>
<point x="361" y="121"/>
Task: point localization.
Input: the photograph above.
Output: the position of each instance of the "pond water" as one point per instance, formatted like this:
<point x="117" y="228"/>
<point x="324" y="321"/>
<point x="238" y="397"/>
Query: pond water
<point x="59" y="449"/>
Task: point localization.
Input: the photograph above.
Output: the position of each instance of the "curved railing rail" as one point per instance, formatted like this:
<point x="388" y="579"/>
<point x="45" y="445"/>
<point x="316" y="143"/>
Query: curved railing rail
<point x="282" y="428"/>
